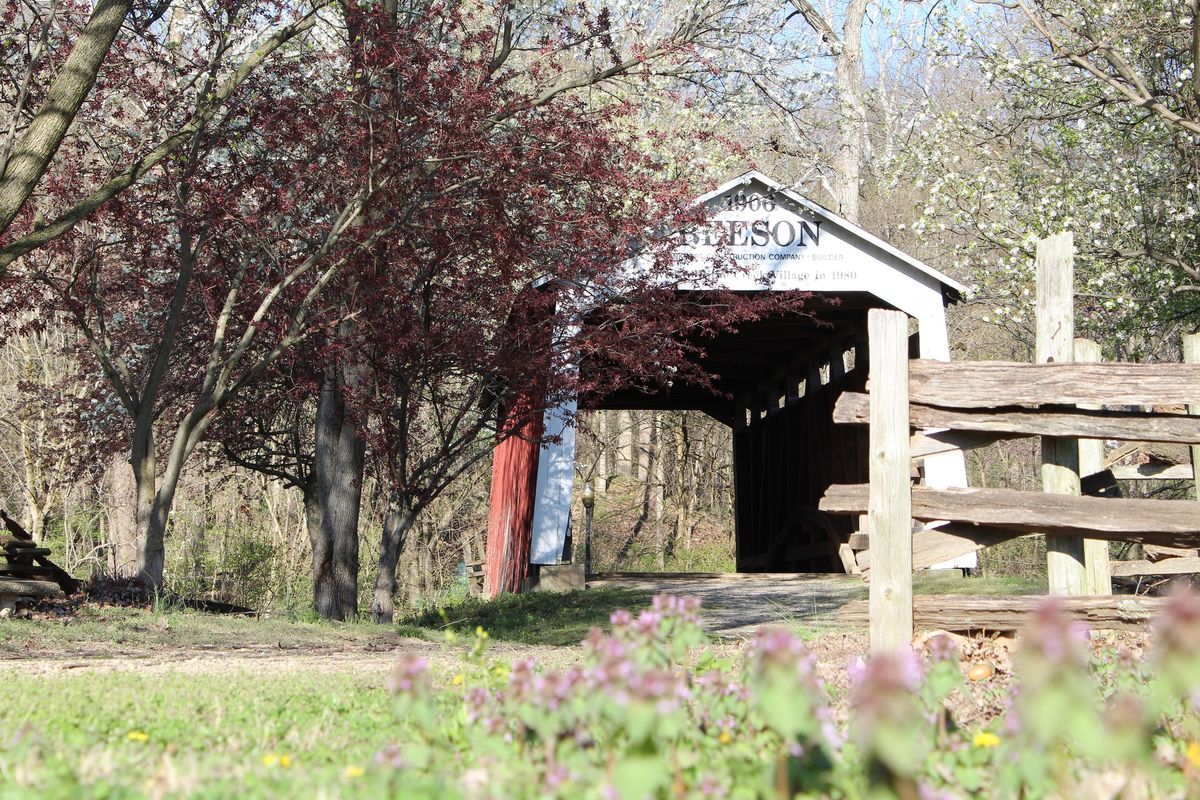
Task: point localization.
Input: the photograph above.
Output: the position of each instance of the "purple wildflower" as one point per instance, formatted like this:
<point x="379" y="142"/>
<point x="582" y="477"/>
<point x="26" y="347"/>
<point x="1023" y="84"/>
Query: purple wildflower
<point x="1178" y="626"/>
<point x="390" y="756"/>
<point x="410" y="675"/>
<point x="1056" y="637"/>
<point x="710" y="787"/>
<point x="943" y="648"/>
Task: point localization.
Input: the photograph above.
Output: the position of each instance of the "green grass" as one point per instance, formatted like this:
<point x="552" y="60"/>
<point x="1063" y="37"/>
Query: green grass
<point x="933" y="584"/>
<point x="147" y="727"/>
<point x="125" y="734"/>
<point x="538" y="618"/>
<point x="109" y="630"/>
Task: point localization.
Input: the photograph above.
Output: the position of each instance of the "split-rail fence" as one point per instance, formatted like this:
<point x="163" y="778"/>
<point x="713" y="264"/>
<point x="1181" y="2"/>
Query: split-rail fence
<point x="913" y="407"/>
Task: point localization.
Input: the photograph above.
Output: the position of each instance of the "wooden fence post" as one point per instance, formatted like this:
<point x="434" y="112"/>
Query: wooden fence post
<point x="1060" y="456"/>
<point x="1098" y="577"/>
<point x="890" y="501"/>
<point x="1191" y="355"/>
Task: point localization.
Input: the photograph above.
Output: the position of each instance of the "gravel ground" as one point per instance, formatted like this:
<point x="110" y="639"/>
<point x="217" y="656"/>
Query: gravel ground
<point x="735" y="605"/>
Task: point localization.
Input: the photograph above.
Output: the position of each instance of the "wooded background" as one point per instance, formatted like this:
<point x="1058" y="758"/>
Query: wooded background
<point x="960" y="132"/>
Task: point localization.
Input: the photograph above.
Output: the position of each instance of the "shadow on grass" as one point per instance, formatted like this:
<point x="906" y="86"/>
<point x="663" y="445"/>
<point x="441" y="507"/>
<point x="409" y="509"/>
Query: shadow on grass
<point x="550" y="618"/>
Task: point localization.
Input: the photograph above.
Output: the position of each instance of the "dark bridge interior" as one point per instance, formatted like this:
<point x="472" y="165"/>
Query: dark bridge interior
<point x="777" y="382"/>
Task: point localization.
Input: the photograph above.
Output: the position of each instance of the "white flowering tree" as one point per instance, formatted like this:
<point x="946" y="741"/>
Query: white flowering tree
<point x="1084" y="118"/>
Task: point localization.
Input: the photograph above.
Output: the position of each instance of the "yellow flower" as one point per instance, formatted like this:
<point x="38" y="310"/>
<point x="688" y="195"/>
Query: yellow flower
<point x="457" y="679"/>
<point x="480" y="633"/>
<point x="725" y="737"/>
<point x="986" y="739"/>
<point x="499" y="670"/>
<point x="270" y="760"/>
<point x="353" y="771"/>
<point x="1193" y="754"/>
<point x="137" y="736"/>
<point x="451" y="637"/>
<point x="285" y="761"/>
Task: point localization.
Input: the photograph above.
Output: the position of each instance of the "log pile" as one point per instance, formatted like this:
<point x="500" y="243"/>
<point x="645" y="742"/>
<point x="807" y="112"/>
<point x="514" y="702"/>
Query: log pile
<point x="1009" y="613"/>
<point x="23" y="560"/>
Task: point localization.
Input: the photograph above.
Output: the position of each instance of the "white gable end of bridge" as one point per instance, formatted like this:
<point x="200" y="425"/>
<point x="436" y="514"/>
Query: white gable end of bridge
<point x="781" y="241"/>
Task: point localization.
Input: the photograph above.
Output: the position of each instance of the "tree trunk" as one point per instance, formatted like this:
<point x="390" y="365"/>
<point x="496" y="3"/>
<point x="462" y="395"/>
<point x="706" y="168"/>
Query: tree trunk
<point x="852" y="125"/>
<point x="35" y="518"/>
<point x="602" y="448"/>
<point x="397" y="520"/>
<point x="656" y="488"/>
<point x="644" y="426"/>
<point x="145" y="481"/>
<point x="156" y="493"/>
<point x="324" y="595"/>
<point x="33" y="153"/>
<point x="151" y="557"/>
<point x="411" y="565"/>
<point x="121" y="512"/>
<point x="36" y="507"/>
<point x="338" y="467"/>
<point x="685" y="490"/>
<point x="427" y="580"/>
<point x="624" y="459"/>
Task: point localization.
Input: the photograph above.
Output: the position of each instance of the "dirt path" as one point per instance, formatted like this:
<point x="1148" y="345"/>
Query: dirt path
<point x="268" y="662"/>
<point x="735" y="605"/>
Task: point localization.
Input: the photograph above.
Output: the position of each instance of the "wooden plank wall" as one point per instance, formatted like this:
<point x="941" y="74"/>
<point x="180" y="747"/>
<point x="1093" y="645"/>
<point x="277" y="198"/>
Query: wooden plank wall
<point x="787" y="452"/>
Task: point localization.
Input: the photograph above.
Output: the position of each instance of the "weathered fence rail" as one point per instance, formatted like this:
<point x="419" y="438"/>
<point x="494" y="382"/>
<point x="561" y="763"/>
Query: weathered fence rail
<point x="976" y="613"/>
<point x="1174" y="523"/>
<point x="979" y="402"/>
<point x="854" y="407"/>
<point x="995" y="384"/>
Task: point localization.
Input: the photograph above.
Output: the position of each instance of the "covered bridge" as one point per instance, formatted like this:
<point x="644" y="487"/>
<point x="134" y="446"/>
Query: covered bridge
<point x="783" y="375"/>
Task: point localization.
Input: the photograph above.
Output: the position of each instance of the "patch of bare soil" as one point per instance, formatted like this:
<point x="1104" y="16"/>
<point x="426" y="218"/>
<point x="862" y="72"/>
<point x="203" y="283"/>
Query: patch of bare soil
<point x="216" y="659"/>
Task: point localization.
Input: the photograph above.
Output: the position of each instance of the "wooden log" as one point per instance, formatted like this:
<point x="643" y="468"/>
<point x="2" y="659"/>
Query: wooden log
<point x="25" y="552"/>
<point x="1133" y="426"/>
<point x="938" y="545"/>
<point x="1090" y="457"/>
<point x="997" y="384"/>
<point x="890" y="600"/>
<point x="1008" y="613"/>
<point x="11" y="542"/>
<point x="22" y="588"/>
<point x="1158" y="552"/>
<point x="1170" y="566"/>
<point x="18" y="568"/>
<point x="57" y="573"/>
<point x="1159" y="522"/>
<point x="1153" y="472"/>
